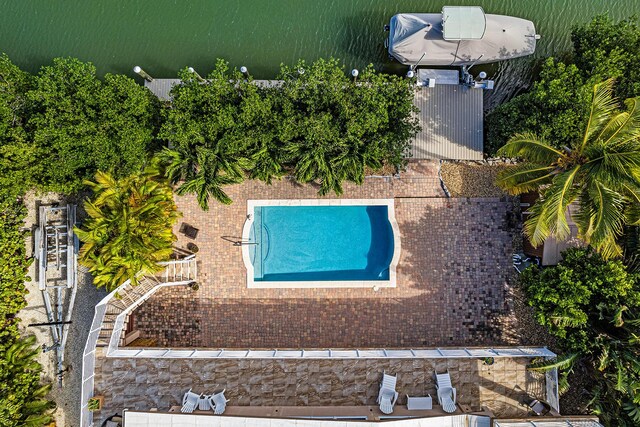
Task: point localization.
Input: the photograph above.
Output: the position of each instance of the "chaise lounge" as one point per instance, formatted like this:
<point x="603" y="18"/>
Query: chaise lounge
<point x="189" y="402"/>
<point x="388" y="396"/>
<point x="446" y="392"/>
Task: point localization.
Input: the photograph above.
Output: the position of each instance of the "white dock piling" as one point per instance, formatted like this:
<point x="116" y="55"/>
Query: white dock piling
<point x="139" y="71"/>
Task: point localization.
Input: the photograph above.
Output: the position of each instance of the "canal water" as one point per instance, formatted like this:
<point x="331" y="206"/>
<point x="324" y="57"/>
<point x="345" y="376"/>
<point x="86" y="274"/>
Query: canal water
<point x="163" y="36"/>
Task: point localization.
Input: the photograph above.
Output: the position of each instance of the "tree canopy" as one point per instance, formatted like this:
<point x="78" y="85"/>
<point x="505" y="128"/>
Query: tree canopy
<point x="61" y="126"/>
<point x="555" y="106"/>
<point x="129" y="229"/>
<point x="315" y="124"/>
<point x="593" y="306"/>
<point x="599" y="171"/>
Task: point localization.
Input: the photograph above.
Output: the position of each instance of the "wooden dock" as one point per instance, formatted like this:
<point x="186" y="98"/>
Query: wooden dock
<point x="452" y="123"/>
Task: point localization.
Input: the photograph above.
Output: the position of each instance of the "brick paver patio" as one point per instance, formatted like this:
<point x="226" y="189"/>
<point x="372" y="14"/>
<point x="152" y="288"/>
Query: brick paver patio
<point x="450" y="288"/>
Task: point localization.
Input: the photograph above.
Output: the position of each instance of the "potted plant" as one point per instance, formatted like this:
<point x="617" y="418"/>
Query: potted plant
<point x="488" y="361"/>
<point x="95" y="403"/>
<point x="194" y="286"/>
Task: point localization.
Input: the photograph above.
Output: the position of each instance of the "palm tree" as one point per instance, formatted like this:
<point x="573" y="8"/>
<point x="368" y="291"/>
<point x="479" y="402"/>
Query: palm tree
<point x="204" y="171"/>
<point x="600" y="172"/>
<point x="129" y="230"/>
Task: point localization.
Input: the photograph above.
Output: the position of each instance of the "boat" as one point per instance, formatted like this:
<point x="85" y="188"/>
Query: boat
<point x="459" y="36"/>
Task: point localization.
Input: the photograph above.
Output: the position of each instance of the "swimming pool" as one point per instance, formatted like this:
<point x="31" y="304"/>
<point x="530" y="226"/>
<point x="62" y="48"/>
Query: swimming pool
<point x="321" y="243"/>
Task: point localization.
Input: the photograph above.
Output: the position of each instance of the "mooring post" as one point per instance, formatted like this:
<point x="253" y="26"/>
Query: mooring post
<point x="139" y="71"/>
<point x="195" y="73"/>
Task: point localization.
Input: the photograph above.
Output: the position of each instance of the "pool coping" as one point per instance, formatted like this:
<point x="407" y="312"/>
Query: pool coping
<point x="375" y="284"/>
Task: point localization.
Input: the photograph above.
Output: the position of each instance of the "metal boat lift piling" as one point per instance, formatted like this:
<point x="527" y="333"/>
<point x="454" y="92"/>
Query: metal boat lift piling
<point x="56" y="249"/>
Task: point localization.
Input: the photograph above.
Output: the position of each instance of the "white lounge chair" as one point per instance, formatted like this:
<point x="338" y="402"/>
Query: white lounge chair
<point x="388" y="396"/>
<point x="204" y="402"/>
<point x="218" y="403"/>
<point x="446" y="392"/>
<point x="189" y="402"/>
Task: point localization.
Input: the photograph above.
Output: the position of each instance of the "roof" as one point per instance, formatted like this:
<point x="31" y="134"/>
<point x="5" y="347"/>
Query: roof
<point x="146" y="419"/>
<point x="463" y="22"/>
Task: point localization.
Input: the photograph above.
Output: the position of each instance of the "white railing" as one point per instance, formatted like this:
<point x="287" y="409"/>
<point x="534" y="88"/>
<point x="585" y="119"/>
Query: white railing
<point x="553" y="396"/>
<point x="118" y="327"/>
<point x="89" y="354"/>
<point x="438" y="353"/>
<point x="89" y="359"/>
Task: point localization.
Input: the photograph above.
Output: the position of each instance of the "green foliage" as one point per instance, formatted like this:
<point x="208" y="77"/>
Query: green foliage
<point x="16" y="152"/>
<point x="555" y="106"/>
<point x="593" y="307"/>
<point x="129" y="230"/>
<point x="94" y="404"/>
<point x="607" y="49"/>
<point x="600" y="171"/>
<point x="565" y="297"/>
<point x="317" y="125"/>
<point x="22" y="397"/>
<point x="80" y="125"/>
<point x="14" y="266"/>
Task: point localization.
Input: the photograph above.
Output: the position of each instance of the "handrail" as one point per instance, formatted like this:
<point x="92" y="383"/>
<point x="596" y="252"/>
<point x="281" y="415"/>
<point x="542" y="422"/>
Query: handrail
<point x="89" y="354"/>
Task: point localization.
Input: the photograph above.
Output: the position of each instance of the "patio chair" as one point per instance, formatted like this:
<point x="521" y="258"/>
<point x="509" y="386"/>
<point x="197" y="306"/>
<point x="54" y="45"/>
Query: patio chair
<point x="388" y="396"/>
<point x="446" y="392"/>
<point x="204" y="402"/>
<point x="218" y="403"/>
<point x="189" y="402"/>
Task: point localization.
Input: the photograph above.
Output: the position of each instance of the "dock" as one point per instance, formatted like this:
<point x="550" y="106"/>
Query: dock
<point x="450" y="116"/>
<point x="452" y="123"/>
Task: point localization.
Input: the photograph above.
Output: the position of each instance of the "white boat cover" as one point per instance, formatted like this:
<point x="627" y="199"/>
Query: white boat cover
<point x="417" y="39"/>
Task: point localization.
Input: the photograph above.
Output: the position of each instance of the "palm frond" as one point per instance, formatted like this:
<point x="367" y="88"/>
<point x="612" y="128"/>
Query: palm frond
<point x="603" y="104"/>
<point x="564" y="361"/>
<point x="531" y="148"/>
<point x="524" y="178"/>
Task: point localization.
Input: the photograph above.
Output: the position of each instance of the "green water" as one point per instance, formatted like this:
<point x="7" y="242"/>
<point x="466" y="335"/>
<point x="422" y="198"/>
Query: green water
<point x="163" y="36"/>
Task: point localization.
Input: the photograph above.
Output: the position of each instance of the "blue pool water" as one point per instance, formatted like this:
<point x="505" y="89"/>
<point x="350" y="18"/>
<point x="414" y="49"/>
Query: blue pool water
<point x="318" y="243"/>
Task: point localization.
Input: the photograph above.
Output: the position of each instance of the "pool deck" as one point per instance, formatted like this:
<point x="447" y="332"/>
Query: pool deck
<point x="451" y="278"/>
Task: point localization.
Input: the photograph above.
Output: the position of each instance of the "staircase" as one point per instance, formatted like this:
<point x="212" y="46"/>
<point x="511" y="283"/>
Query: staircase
<point x="128" y="297"/>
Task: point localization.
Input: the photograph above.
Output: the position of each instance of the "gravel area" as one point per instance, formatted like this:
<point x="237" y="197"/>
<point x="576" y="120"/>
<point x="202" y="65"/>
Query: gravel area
<point x="472" y="179"/>
<point x="68" y="397"/>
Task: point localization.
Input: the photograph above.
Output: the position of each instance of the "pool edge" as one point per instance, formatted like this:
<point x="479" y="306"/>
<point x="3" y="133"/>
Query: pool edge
<point x="375" y="284"/>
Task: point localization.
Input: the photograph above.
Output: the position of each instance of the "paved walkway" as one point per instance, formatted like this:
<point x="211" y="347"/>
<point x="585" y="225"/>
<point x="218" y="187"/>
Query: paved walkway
<point x="142" y="384"/>
<point x="450" y="288"/>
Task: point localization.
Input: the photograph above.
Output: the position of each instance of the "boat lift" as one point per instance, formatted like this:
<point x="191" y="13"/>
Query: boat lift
<point x="56" y="249"/>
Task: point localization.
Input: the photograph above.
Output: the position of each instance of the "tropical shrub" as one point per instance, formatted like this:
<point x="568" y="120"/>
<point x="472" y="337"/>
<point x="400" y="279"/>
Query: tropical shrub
<point x="554" y="107"/>
<point x="14" y="266"/>
<point x="607" y="49"/>
<point x="79" y="125"/>
<point x="16" y="152"/>
<point x="316" y="125"/>
<point x="23" y="400"/>
<point x="600" y="171"/>
<point x="593" y="306"/>
<point x="129" y="229"/>
<point x="22" y="397"/>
